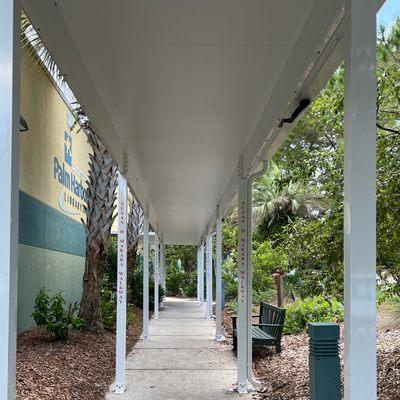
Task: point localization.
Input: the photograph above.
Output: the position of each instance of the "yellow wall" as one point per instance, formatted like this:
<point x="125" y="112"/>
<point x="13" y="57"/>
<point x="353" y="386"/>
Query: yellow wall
<point x="49" y="120"/>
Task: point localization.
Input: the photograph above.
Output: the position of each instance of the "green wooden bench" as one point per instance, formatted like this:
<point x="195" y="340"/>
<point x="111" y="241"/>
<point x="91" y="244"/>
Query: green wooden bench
<point x="268" y="331"/>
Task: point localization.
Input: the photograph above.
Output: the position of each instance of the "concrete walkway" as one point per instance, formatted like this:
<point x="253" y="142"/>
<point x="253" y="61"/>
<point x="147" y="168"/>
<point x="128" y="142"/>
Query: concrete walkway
<point x="181" y="361"/>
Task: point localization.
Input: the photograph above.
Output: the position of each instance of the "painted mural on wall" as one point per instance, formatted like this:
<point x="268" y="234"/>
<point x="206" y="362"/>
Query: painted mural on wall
<point x="73" y="194"/>
<point x="54" y="153"/>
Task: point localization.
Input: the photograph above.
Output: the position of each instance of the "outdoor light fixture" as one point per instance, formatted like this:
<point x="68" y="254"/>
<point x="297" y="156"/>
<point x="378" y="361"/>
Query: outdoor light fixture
<point x="23" y="126"/>
<point x="304" y="103"/>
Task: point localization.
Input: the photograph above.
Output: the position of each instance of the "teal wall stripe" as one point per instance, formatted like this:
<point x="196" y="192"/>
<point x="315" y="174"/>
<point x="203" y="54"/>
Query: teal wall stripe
<point x="42" y="226"/>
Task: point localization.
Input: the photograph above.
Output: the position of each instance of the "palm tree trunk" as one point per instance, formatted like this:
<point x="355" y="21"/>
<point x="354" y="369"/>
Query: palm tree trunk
<point x="90" y="309"/>
<point x="100" y="208"/>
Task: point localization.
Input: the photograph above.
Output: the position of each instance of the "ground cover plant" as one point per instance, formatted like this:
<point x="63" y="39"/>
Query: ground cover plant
<point x="52" y="313"/>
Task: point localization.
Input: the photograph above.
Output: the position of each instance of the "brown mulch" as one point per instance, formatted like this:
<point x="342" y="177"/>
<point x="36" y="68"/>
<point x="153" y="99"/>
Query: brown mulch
<point x="84" y="369"/>
<point x="285" y="376"/>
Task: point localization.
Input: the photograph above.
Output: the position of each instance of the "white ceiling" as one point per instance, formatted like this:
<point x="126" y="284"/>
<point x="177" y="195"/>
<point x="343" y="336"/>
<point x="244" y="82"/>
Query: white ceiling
<point x="183" y="85"/>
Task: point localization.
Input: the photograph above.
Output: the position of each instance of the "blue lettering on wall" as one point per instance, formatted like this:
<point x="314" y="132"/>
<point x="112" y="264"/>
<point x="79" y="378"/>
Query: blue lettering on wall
<point x="69" y="180"/>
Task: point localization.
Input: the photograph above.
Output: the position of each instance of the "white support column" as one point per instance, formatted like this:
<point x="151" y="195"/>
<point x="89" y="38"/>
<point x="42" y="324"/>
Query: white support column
<point x="198" y="275"/>
<point x="121" y="293"/>
<point x="209" y="291"/>
<point x="162" y="265"/>
<point x="201" y="276"/>
<point x="145" y="335"/>
<point x="359" y="201"/>
<point x="249" y="261"/>
<point x="218" y="306"/>
<point x="156" y="275"/>
<point x="9" y="151"/>
<point x="242" y="323"/>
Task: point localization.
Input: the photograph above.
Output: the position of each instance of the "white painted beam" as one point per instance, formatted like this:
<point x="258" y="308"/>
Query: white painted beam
<point x="9" y="151"/>
<point x="121" y="285"/>
<point x="145" y="335"/>
<point x="360" y="200"/>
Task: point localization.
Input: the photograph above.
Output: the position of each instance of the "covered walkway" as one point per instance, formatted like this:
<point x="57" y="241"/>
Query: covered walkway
<point x="192" y="98"/>
<point x="182" y="360"/>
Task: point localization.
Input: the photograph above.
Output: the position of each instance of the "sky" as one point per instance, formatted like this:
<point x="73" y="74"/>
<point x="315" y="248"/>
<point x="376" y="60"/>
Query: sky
<point x="388" y="13"/>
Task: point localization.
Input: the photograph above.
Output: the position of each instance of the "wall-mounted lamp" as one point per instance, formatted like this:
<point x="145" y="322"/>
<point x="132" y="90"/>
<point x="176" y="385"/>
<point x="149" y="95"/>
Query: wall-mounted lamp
<point x="23" y="126"/>
<point x="304" y="103"/>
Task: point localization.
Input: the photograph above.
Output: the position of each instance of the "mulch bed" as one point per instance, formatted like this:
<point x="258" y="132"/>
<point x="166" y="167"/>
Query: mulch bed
<point x="285" y="376"/>
<point x="83" y="369"/>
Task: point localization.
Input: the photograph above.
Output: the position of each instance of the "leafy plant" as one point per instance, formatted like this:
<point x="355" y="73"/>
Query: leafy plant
<point x="50" y="312"/>
<point x="175" y="280"/>
<point x="189" y="287"/>
<point x="315" y="309"/>
<point x="108" y="305"/>
<point x="137" y="290"/>
<point x="258" y="297"/>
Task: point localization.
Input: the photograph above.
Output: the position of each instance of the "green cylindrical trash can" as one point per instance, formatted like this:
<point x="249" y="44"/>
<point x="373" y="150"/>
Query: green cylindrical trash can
<point x="324" y="361"/>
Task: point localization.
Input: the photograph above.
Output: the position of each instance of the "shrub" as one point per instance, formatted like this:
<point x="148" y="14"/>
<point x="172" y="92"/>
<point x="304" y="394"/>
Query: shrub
<point x="137" y="290"/>
<point x="189" y="285"/>
<point x="180" y="283"/>
<point x="315" y="309"/>
<point x="108" y="305"/>
<point x="229" y="275"/>
<point x="110" y="265"/>
<point x="175" y="280"/>
<point x="50" y="313"/>
<point x="307" y="283"/>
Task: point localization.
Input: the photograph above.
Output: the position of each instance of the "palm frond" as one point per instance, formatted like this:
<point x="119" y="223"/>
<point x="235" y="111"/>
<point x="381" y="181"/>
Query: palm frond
<point x="32" y="42"/>
<point x="274" y="195"/>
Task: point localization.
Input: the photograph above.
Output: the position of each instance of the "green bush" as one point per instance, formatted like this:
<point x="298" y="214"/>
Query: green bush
<point x="229" y="275"/>
<point x="108" y="305"/>
<point x="175" y="280"/>
<point x="189" y="286"/>
<point x="180" y="283"/>
<point x="137" y="290"/>
<point x="315" y="309"/>
<point x="110" y="265"/>
<point x="307" y="283"/>
<point x="50" y="312"/>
